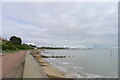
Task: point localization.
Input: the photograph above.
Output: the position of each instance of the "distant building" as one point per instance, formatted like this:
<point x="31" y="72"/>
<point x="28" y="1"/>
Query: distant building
<point x="1" y="39"/>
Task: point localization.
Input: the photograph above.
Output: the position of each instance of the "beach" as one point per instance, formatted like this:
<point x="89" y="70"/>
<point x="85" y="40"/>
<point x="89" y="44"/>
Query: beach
<point x="39" y="67"/>
<point x="50" y="70"/>
<point x="90" y="63"/>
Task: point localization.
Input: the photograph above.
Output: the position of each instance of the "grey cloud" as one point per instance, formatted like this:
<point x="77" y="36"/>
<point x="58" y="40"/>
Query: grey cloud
<point x="68" y="24"/>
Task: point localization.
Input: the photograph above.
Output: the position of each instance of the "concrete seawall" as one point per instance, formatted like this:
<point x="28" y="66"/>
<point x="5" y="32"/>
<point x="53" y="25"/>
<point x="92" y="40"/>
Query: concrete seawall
<point x="23" y="66"/>
<point x="32" y="69"/>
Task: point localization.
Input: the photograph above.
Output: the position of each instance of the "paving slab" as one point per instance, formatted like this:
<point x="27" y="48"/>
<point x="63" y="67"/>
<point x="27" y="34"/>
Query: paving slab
<point x="32" y="69"/>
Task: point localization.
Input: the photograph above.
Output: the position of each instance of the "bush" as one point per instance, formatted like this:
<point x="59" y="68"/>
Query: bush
<point x="8" y="46"/>
<point x="23" y="47"/>
<point x="4" y="47"/>
<point x="16" y="40"/>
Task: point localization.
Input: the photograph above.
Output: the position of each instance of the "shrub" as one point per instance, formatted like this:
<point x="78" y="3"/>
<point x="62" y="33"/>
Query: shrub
<point x="16" y="40"/>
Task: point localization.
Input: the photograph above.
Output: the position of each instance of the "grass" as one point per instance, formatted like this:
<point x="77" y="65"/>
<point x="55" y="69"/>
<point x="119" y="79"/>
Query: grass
<point x="7" y="46"/>
<point x="10" y="50"/>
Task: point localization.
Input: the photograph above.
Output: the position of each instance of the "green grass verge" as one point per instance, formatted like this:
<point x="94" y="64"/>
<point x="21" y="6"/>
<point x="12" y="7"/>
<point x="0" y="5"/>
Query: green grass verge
<point x="7" y="46"/>
<point x="10" y="50"/>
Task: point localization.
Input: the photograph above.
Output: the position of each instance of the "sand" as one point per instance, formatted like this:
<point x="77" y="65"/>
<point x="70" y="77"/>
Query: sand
<point x="49" y="69"/>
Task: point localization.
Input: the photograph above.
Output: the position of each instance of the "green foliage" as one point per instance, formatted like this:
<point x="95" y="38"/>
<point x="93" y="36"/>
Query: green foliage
<point x="15" y="44"/>
<point x="32" y="45"/>
<point x="0" y="45"/>
<point x="23" y="47"/>
<point x="16" y="40"/>
<point x="7" y="45"/>
<point x="10" y="50"/>
<point x="54" y="48"/>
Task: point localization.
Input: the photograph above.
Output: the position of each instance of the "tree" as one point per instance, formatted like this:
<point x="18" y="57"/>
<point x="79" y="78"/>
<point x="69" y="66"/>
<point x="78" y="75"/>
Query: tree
<point x="32" y="45"/>
<point x="16" y="40"/>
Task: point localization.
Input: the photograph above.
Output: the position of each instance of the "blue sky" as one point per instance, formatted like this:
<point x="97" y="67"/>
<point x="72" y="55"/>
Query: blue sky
<point x="81" y="24"/>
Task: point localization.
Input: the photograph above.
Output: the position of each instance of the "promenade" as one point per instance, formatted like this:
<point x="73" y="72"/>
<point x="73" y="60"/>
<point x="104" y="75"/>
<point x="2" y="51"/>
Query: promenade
<point x="27" y="65"/>
<point x="21" y="65"/>
<point x="13" y="64"/>
<point x="32" y="69"/>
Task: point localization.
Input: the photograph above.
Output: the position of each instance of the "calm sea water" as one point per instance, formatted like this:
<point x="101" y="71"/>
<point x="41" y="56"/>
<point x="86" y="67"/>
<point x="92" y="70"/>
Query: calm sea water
<point x="89" y="63"/>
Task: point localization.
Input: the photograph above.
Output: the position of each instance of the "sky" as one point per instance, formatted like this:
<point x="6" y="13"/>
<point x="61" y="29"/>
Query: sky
<point x="71" y="24"/>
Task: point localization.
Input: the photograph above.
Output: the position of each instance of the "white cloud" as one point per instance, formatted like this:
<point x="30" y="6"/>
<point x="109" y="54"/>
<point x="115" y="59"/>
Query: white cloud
<point x="67" y="24"/>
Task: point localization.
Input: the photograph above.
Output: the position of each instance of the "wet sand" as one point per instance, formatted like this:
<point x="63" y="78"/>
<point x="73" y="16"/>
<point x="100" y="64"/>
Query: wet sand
<point x="49" y="69"/>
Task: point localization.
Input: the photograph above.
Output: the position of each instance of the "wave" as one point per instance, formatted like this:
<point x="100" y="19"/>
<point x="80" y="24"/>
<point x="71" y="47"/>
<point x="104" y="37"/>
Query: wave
<point x="72" y="71"/>
<point x="55" y="61"/>
<point x="89" y="75"/>
<point x="66" y="70"/>
<point x="81" y="68"/>
<point x="73" y="75"/>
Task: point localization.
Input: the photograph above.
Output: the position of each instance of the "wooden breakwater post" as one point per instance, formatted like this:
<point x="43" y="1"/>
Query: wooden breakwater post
<point x="53" y="56"/>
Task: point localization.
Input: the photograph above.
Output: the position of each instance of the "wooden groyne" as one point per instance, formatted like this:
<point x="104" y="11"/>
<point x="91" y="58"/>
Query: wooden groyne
<point x="53" y="56"/>
<point x="35" y="52"/>
<point x="24" y="65"/>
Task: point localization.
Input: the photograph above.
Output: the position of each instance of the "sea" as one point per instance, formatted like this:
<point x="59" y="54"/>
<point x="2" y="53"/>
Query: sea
<point x="86" y="63"/>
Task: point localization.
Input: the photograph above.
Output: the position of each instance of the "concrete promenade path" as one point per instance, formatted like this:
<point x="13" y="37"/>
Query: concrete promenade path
<point x="21" y="65"/>
<point x="32" y="69"/>
<point x="12" y="64"/>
